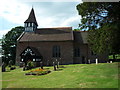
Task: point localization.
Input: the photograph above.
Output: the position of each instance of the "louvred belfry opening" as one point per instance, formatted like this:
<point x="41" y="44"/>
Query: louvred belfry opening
<point x="31" y="23"/>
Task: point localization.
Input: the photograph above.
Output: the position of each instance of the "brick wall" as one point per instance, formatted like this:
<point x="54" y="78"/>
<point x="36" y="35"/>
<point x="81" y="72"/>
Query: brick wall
<point x="67" y="52"/>
<point x="45" y="49"/>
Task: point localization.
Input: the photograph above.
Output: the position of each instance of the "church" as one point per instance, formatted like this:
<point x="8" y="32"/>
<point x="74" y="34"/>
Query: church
<point x="48" y="45"/>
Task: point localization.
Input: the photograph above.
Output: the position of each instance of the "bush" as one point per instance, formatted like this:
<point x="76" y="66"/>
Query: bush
<point x="30" y="65"/>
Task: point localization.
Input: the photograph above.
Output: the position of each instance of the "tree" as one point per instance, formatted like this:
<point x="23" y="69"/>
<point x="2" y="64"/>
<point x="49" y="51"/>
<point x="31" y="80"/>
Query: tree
<point x="103" y="23"/>
<point x="95" y="14"/>
<point x="9" y="42"/>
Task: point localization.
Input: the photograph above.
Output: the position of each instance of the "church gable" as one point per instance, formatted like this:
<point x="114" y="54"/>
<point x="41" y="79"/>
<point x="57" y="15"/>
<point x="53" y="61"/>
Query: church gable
<point x="28" y="50"/>
<point x="30" y="54"/>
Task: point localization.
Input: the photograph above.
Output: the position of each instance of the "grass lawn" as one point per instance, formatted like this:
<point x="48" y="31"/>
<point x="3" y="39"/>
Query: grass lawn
<point x="103" y="75"/>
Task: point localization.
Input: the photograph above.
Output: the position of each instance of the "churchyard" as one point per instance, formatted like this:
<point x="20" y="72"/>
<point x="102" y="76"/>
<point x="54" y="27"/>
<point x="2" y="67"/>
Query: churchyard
<point x="101" y="75"/>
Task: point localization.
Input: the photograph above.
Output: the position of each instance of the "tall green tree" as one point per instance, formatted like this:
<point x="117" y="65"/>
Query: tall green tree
<point x="9" y="42"/>
<point x="95" y="14"/>
<point x="102" y="21"/>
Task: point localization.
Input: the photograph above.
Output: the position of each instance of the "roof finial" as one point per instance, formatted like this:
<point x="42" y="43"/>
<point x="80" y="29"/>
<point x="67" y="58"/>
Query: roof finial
<point x="32" y="6"/>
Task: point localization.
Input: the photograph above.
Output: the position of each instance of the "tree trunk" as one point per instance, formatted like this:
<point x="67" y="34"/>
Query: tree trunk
<point x="114" y="57"/>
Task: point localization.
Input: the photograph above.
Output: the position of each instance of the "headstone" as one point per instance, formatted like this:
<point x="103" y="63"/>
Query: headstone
<point x="27" y="67"/>
<point x="3" y="67"/>
<point x="10" y="63"/>
<point x="110" y="61"/>
<point x="24" y="68"/>
<point x="89" y="61"/>
<point x="41" y="65"/>
<point x="57" y="64"/>
<point x="54" y="66"/>
<point x="96" y="61"/>
<point x="60" y="61"/>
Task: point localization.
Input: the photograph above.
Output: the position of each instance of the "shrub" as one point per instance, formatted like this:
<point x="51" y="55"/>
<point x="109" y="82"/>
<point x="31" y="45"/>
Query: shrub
<point x="30" y="65"/>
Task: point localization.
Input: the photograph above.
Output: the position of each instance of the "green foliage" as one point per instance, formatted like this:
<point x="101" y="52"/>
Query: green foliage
<point x="102" y="21"/>
<point x="30" y="65"/>
<point x="9" y="42"/>
<point x="95" y="14"/>
<point x="77" y="29"/>
<point x="105" y="39"/>
<point x="103" y="75"/>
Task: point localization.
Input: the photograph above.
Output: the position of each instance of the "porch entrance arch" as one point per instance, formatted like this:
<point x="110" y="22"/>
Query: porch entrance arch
<point x="30" y="54"/>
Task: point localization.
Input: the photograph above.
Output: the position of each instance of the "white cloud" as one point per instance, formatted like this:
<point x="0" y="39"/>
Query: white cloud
<point x="48" y="14"/>
<point x="70" y="20"/>
<point x="13" y="11"/>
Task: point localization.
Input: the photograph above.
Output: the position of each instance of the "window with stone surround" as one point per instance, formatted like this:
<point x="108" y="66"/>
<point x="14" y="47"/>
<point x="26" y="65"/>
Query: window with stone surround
<point x="56" y="51"/>
<point x="77" y="52"/>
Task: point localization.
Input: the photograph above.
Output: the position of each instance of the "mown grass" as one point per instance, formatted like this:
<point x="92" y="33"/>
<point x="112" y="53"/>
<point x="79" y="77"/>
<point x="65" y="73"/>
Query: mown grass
<point x="103" y="75"/>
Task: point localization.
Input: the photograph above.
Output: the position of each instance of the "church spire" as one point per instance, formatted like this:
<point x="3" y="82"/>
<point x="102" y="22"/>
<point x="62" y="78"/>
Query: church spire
<point x="31" y="17"/>
<point x="31" y="23"/>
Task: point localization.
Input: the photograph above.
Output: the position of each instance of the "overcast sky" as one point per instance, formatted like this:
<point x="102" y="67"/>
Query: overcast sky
<point x="55" y="13"/>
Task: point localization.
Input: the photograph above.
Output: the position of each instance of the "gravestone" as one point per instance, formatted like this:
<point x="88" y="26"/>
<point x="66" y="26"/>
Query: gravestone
<point x="24" y="68"/>
<point x="57" y="64"/>
<point x="3" y="67"/>
<point x="54" y="66"/>
<point x="96" y="61"/>
<point x="10" y="63"/>
<point x="89" y="61"/>
<point x="110" y="61"/>
<point x="41" y="65"/>
<point x="48" y="63"/>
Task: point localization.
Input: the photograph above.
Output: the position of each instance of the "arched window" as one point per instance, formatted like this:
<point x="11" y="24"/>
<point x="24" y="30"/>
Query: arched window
<point x="56" y="51"/>
<point x="77" y="52"/>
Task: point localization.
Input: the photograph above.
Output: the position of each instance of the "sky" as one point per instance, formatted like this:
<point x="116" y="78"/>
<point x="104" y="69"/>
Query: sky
<point x="49" y="13"/>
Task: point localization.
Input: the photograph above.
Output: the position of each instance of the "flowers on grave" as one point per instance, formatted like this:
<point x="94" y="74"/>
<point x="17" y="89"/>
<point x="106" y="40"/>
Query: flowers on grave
<point x="38" y="72"/>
